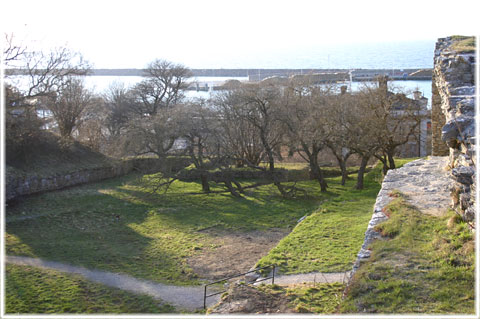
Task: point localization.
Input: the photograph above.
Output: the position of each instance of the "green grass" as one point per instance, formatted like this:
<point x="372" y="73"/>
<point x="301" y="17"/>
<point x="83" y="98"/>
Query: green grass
<point x="320" y="299"/>
<point x="463" y="44"/>
<point x="329" y="239"/>
<point x="426" y="265"/>
<point x="32" y="290"/>
<point x="47" y="158"/>
<point x="317" y="298"/>
<point x="120" y="226"/>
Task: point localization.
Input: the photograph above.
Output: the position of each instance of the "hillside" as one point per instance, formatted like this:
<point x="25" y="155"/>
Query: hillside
<point x="46" y="157"/>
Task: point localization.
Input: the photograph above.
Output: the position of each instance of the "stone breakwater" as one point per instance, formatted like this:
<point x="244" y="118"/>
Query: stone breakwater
<point x="453" y="120"/>
<point x="426" y="184"/>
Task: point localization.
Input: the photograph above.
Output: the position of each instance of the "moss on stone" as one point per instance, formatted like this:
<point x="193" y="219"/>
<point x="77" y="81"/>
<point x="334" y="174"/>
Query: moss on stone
<point x="463" y="44"/>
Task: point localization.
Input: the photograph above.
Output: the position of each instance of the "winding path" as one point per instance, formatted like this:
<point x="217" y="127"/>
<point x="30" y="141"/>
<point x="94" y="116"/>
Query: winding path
<point x="186" y="297"/>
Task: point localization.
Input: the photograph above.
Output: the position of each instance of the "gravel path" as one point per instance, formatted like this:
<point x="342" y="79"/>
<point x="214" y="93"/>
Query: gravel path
<point x="317" y="277"/>
<point x="186" y="297"/>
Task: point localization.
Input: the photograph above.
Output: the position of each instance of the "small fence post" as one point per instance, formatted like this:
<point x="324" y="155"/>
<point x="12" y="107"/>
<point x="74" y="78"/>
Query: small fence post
<point x="205" y="298"/>
<point x="273" y="275"/>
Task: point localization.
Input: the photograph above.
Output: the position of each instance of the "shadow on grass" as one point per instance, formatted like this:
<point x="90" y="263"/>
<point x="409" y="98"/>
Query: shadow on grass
<point x="118" y="226"/>
<point x="184" y="206"/>
<point x="91" y="228"/>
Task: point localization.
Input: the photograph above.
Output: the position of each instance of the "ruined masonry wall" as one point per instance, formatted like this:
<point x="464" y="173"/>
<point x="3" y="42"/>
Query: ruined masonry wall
<point x="16" y="185"/>
<point x="453" y="108"/>
<point x="426" y="185"/>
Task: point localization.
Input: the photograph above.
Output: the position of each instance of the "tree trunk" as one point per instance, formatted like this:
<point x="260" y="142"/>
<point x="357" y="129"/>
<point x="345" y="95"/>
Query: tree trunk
<point x="391" y="161"/>
<point x="385" y="167"/>
<point x="317" y="173"/>
<point x="205" y="185"/>
<point x="343" y="168"/>
<point x="342" y="161"/>
<point x="361" y="171"/>
<point x="281" y="188"/>
<point x="232" y="189"/>
<point x="239" y="187"/>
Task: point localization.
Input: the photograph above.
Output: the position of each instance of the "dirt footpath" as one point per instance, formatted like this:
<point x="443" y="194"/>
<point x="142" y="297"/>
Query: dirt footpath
<point x="233" y="252"/>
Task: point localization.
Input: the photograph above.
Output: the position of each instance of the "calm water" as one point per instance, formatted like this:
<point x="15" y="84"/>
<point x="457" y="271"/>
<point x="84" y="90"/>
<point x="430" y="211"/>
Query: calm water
<point x="385" y="55"/>
<point x="379" y="55"/>
<point x="101" y="83"/>
<point x="392" y="55"/>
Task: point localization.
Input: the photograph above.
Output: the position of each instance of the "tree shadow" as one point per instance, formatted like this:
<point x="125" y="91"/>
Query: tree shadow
<point x="91" y="228"/>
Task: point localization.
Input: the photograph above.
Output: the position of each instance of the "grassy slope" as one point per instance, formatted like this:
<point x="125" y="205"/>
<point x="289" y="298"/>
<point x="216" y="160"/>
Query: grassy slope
<point x="315" y="298"/>
<point x="118" y="225"/>
<point x="425" y="266"/>
<point x="329" y="239"/>
<point x="47" y="158"/>
<point x="31" y="290"/>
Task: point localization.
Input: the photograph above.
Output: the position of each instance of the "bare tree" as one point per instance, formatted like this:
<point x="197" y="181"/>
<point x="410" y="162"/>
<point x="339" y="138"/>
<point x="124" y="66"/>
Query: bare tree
<point x="49" y="73"/>
<point x="11" y="51"/>
<point x="162" y="87"/>
<point x="360" y="127"/>
<point x="337" y="134"/>
<point x="258" y="104"/>
<point x="69" y="104"/>
<point x="118" y="107"/>
<point x="90" y="128"/>
<point x="22" y="126"/>
<point x="304" y="112"/>
<point x="154" y="134"/>
<point x="197" y="134"/>
<point x="395" y="117"/>
<point x="240" y="137"/>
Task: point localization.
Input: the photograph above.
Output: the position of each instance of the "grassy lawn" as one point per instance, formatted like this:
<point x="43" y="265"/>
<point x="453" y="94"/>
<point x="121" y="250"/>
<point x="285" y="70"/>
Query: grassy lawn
<point x="118" y="225"/>
<point x="315" y="298"/>
<point x="329" y="239"/>
<point x="426" y="265"/>
<point x="32" y="290"/>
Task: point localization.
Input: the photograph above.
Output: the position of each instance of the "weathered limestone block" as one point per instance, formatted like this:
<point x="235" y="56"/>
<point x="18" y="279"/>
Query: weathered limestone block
<point x="464" y="174"/>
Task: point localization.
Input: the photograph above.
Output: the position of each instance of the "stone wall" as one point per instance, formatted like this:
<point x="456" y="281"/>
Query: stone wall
<point x="424" y="183"/>
<point x="20" y="185"/>
<point x="439" y="147"/>
<point x="453" y="110"/>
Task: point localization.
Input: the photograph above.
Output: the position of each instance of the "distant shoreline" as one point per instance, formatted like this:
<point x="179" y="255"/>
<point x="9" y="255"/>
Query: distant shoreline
<point x="260" y="74"/>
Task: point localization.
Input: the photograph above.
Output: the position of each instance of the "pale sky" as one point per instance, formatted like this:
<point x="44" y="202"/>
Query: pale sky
<point x="123" y="34"/>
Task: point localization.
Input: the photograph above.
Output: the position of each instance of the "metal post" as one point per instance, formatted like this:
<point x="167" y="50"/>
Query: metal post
<point x="205" y="298"/>
<point x="273" y="275"/>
